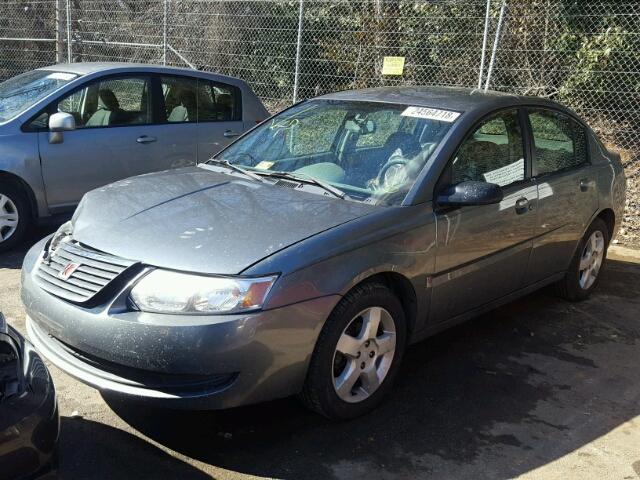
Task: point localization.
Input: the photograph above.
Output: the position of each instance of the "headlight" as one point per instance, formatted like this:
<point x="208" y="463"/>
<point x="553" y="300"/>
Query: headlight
<point x="163" y="291"/>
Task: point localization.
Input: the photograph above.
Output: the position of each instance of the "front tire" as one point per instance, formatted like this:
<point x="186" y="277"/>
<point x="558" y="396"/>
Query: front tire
<point x="585" y="270"/>
<point x="358" y="353"/>
<point x="14" y="215"/>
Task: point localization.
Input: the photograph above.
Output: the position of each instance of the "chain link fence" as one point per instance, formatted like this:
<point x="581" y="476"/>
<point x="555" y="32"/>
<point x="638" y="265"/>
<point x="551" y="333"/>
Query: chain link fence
<point x="583" y="54"/>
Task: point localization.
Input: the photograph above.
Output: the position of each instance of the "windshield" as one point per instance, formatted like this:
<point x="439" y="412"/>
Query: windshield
<point x="19" y="93"/>
<point x="372" y="152"/>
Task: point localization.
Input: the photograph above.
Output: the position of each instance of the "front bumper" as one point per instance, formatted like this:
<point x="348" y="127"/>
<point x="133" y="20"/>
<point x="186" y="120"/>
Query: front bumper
<point x="29" y="421"/>
<point x="180" y="361"/>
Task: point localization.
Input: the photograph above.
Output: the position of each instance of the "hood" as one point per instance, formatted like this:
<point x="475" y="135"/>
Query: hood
<point x="198" y="220"/>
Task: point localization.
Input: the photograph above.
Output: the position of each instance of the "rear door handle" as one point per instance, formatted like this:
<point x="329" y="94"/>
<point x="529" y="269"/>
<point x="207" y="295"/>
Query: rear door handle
<point x="230" y="134"/>
<point x="522" y="205"/>
<point x="585" y="184"/>
<point x="145" y="139"/>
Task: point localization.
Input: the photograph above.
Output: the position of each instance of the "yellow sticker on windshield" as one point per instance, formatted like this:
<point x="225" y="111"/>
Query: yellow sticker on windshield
<point x="265" y="165"/>
<point x="431" y="114"/>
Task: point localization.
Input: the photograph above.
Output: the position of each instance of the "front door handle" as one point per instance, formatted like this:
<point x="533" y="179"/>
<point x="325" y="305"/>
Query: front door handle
<point x="145" y="139"/>
<point x="230" y="134"/>
<point x="522" y="205"/>
<point x="585" y="184"/>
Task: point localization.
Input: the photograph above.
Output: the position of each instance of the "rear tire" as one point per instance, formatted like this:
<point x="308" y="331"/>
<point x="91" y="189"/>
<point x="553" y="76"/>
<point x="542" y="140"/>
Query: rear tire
<point x="357" y="355"/>
<point x="15" y="215"/>
<point x="585" y="270"/>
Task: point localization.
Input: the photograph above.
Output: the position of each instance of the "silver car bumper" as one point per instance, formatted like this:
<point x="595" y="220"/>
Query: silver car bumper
<point x="199" y="362"/>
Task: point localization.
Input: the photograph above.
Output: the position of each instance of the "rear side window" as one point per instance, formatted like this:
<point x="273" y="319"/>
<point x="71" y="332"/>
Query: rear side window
<point x="189" y="100"/>
<point x="180" y="99"/>
<point x="559" y="142"/>
<point x="218" y="102"/>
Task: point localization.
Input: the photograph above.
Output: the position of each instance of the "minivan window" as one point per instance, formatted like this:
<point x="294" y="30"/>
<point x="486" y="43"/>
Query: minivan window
<point x="559" y="142"/>
<point x="323" y="139"/>
<point x="21" y="92"/>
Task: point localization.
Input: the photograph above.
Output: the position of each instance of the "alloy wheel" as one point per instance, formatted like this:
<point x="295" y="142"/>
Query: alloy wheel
<point x="9" y="218"/>
<point x="591" y="259"/>
<point x="364" y="354"/>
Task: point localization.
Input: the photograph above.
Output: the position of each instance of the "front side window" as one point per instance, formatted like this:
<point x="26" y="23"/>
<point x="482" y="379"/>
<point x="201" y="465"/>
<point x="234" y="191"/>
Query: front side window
<point x="19" y="93"/>
<point x="109" y="103"/>
<point x="371" y="151"/>
<point x="559" y="142"/>
<point x="493" y="153"/>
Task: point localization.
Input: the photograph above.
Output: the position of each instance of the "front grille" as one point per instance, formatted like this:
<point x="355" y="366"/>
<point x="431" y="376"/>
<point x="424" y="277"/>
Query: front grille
<point x="94" y="272"/>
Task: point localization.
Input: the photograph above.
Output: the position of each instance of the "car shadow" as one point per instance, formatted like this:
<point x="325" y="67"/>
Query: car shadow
<point x="497" y="397"/>
<point x="14" y="257"/>
<point x="97" y="451"/>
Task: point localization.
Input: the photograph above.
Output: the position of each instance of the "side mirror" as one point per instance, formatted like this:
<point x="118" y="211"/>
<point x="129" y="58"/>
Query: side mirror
<point x="470" y="193"/>
<point x="58" y="123"/>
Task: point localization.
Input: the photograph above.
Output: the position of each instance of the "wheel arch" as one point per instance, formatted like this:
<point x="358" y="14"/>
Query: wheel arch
<point x="24" y="186"/>
<point x="402" y="287"/>
<point x="609" y="217"/>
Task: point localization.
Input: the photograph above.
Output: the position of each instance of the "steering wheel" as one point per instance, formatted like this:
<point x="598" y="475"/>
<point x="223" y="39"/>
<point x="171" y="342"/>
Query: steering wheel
<point x="393" y="168"/>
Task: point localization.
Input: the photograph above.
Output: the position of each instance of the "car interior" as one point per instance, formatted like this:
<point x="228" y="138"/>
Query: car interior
<point x="360" y="152"/>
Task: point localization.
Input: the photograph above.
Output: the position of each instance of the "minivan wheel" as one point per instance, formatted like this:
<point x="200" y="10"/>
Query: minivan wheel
<point x="586" y="266"/>
<point x="358" y="353"/>
<point x="14" y="215"/>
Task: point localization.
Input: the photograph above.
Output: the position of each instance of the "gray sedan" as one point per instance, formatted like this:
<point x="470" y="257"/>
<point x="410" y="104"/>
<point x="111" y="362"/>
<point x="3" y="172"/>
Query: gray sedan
<point x="67" y="129"/>
<point x="308" y="254"/>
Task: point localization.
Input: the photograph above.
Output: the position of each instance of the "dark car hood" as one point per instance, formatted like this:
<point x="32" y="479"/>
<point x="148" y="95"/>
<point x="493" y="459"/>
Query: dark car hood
<point x="199" y="220"/>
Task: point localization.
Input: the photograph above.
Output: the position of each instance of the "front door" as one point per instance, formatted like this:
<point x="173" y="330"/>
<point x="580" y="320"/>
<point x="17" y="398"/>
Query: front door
<point x="115" y="138"/>
<point x="483" y="251"/>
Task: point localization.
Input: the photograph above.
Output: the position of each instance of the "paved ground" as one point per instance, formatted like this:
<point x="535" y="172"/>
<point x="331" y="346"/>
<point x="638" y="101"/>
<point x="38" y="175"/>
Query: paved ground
<point x="540" y="389"/>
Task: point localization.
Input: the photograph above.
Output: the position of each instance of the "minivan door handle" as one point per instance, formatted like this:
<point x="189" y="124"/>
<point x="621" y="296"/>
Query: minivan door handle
<point x="585" y="184"/>
<point x="230" y="134"/>
<point x="145" y="139"/>
<point x="522" y="205"/>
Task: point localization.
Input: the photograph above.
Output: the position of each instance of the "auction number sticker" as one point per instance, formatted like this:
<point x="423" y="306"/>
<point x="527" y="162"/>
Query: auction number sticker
<point x="431" y="114"/>
<point x="61" y="76"/>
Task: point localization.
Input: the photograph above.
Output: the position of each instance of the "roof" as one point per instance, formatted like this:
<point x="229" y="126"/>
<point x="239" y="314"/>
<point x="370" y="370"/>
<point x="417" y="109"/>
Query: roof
<point x="86" y="68"/>
<point x="450" y="98"/>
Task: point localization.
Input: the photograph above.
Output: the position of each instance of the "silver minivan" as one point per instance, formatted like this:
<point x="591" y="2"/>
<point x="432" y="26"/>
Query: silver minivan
<point x="67" y="129"/>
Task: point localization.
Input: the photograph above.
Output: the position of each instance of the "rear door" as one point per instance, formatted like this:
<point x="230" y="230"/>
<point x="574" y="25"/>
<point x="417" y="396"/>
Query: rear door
<point x="483" y="251"/>
<point x="566" y="188"/>
<point x="219" y="117"/>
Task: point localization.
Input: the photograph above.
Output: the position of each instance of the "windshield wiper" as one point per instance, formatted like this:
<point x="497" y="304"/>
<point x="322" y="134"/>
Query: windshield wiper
<point x="301" y="177"/>
<point x="235" y="168"/>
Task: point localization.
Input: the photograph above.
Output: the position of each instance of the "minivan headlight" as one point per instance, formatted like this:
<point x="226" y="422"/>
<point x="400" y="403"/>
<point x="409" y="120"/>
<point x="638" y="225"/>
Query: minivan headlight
<point x="163" y="291"/>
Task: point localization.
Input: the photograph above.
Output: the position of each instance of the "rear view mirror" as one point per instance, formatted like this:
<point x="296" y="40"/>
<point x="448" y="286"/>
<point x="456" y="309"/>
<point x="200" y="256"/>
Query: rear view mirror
<point x="360" y="126"/>
<point x="58" y="123"/>
<point x="470" y="193"/>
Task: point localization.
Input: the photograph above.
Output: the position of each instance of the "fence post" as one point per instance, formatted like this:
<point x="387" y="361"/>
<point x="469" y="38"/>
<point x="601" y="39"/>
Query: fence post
<point x="484" y="43"/>
<point x="69" y="48"/>
<point x="164" y="33"/>
<point x="296" y="77"/>
<point x="59" y="32"/>
<point x="495" y="44"/>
